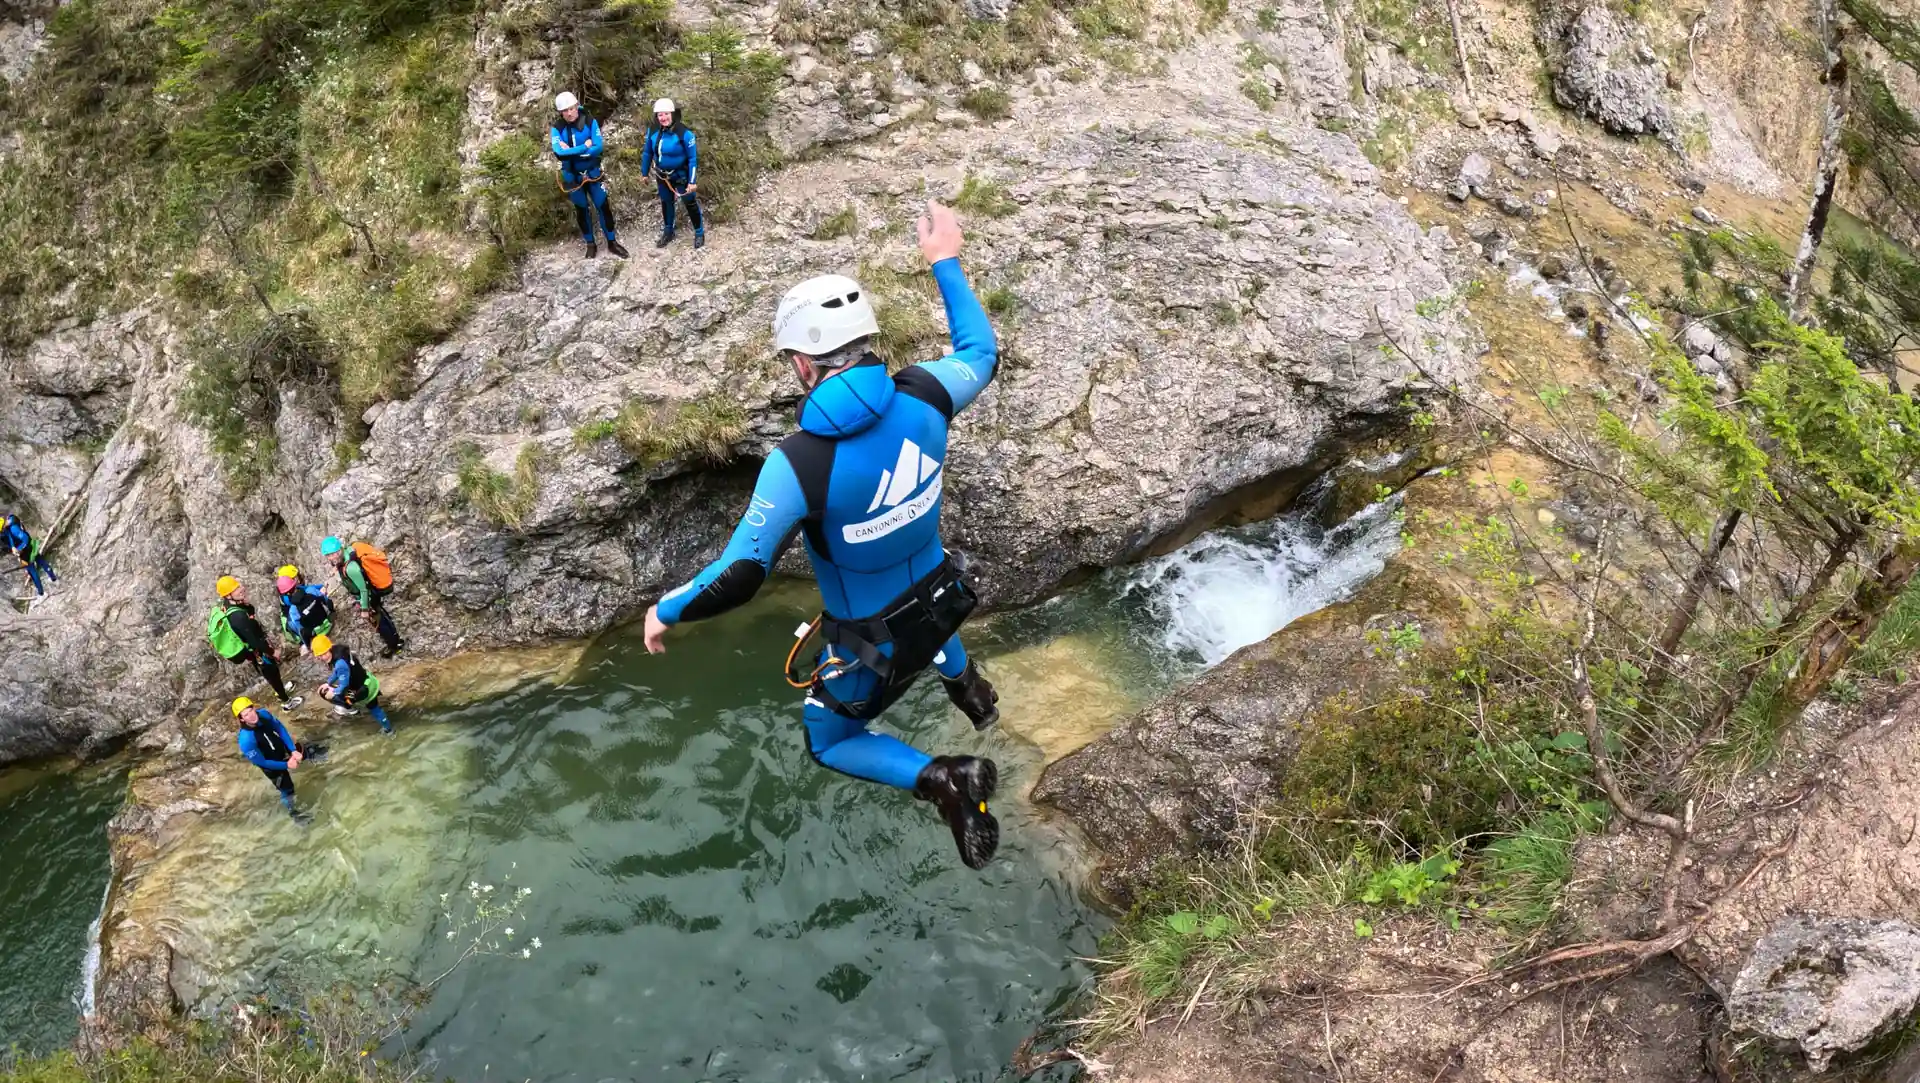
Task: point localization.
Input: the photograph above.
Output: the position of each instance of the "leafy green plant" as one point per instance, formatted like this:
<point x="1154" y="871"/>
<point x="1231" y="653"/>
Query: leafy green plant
<point x="906" y="306"/>
<point x="518" y="197"/>
<point x="1410" y="884"/>
<point x="727" y="89"/>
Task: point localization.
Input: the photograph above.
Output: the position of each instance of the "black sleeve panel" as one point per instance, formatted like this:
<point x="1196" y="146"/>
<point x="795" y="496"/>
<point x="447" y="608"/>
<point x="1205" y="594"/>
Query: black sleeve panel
<point x="733" y="587"/>
<point x="925" y="386"/>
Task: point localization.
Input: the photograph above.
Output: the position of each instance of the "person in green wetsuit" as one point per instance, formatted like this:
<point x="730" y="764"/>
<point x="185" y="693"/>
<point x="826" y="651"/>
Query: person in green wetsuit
<point x="364" y="571"/>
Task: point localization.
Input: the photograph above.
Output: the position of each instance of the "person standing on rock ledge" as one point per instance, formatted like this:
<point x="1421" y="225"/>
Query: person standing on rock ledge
<point x="364" y="571"/>
<point x="266" y="744"/>
<point x="236" y="635"/>
<point x="27" y="552"/>
<point x="576" y="141"/>
<point x="862" y="479"/>
<point x="306" y="613"/>
<point x="671" y="156"/>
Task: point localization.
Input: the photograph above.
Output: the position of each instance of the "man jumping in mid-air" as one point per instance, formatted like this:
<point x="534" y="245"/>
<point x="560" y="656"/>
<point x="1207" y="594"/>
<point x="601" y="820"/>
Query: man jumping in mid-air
<point x="862" y="480"/>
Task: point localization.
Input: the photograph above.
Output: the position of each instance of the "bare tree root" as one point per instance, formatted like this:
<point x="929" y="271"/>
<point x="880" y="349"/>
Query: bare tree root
<point x="1626" y="956"/>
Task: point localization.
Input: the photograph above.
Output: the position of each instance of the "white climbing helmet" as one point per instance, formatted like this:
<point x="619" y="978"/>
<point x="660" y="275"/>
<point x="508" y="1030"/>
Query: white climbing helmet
<point x="823" y="314"/>
<point x="663" y="105"/>
<point x="564" y="101"/>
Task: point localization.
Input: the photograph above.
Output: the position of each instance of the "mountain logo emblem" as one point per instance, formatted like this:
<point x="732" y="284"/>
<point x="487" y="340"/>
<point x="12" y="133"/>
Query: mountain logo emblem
<point x="913" y="469"/>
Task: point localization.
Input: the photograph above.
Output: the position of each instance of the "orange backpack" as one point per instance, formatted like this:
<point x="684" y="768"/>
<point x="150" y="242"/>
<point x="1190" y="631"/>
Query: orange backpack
<point x="373" y="564"/>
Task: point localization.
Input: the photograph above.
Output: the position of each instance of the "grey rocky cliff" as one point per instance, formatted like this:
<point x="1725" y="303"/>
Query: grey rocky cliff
<point x="1198" y="295"/>
<point x="1604" y="67"/>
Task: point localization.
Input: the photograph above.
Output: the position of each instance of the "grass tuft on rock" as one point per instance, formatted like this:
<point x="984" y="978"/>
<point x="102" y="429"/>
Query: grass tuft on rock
<point x="706" y="429"/>
<point x="844" y="222"/>
<point x="988" y="103"/>
<point x="984" y="196"/>
<point x="500" y="499"/>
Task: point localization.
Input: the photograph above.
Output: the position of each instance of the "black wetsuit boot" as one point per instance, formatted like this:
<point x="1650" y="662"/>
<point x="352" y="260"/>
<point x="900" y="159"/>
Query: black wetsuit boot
<point x="974" y="695"/>
<point x="959" y="787"/>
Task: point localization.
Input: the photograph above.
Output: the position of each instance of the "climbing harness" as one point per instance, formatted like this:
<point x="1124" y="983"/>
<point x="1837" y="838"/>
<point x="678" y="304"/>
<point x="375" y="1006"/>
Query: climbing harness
<point x="918" y="624"/>
<point x="560" y="178"/>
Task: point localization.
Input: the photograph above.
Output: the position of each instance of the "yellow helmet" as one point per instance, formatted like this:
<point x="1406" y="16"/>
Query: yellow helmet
<point x="225" y="585"/>
<point x="287" y="570"/>
<point x="241" y="704"/>
<point x="320" y="645"/>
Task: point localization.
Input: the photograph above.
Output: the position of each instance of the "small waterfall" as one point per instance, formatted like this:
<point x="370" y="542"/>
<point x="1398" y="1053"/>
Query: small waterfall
<point x="85" y="997"/>
<point x="1233" y="587"/>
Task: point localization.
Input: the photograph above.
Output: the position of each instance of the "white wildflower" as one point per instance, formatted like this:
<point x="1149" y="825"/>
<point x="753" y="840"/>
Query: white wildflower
<point x="536" y="942"/>
<point x="449" y="934"/>
<point x="526" y="953"/>
<point x="509" y="932"/>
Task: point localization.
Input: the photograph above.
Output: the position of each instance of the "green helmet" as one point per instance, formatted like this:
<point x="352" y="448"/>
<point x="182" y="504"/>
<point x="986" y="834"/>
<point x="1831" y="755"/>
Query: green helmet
<point x="331" y="546"/>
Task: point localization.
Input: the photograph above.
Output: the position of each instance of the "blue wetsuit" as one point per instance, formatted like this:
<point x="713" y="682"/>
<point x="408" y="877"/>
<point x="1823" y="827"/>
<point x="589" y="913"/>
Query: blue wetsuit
<point x="578" y="146"/>
<point x="22" y="545"/>
<point x="267" y="745"/>
<point x="674" y="154"/>
<point x="880" y="525"/>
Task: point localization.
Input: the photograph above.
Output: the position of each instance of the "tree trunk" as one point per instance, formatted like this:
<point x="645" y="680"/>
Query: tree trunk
<point x="1827" y="173"/>
<point x="1689" y="603"/>
<point x="1783" y="634"/>
<point x="1836" y="638"/>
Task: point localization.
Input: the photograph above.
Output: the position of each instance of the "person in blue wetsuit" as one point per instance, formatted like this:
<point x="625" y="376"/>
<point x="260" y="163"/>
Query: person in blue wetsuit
<point x="671" y="156"/>
<point x="349" y="685"/>
<point x="27" y="552"/>
<point x="575" y="138"/>
<point x="862" y="481"/>
<point x="265" y="743"/>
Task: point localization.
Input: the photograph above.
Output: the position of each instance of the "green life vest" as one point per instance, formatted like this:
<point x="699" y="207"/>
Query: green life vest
<point x="226" y="642"/>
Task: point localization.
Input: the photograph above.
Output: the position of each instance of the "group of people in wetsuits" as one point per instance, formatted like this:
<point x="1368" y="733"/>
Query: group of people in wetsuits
<point x="307" y="613"/>
<point x="670" y="156"/>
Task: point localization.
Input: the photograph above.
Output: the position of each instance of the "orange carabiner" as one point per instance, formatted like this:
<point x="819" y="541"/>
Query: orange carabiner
<point x="800" y="641"/>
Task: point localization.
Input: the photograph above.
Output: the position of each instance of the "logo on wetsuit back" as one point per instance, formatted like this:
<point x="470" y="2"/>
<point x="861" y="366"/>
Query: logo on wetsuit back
<point x="913" y="468"/>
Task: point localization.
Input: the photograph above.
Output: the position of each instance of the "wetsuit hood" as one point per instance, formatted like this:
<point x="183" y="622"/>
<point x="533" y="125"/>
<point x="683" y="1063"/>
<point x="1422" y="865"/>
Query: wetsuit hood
<point x="848" y="402"/>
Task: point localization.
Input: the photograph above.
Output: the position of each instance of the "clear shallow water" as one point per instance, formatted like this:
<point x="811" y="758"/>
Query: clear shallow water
<point x="53" y="865"/>
<point x="712" y="905"/>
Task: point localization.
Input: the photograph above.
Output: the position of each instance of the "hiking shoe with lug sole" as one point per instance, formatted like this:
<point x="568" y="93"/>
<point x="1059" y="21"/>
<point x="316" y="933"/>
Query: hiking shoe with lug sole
<point x="959" y="787"/>
<point x="591" y="251"/>
<point x="617" y="249"/>
<point x="974" y="695"/>
<point x="665" y="240"/>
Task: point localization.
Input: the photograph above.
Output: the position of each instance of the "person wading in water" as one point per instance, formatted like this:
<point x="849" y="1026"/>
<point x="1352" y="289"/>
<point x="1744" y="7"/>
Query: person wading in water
<point x="862" y="481"/>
